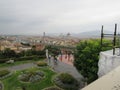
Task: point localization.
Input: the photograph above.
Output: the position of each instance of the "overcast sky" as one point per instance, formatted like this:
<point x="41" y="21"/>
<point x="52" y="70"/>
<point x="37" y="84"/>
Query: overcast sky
<point x="57" y="16"/>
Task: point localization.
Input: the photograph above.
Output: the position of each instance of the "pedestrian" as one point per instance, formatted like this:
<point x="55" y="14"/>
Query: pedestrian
<point x="49" y="59"/>
<point x="68" y="56"/>
<point x="55" y="60"/>
<point x="46" y="54"/>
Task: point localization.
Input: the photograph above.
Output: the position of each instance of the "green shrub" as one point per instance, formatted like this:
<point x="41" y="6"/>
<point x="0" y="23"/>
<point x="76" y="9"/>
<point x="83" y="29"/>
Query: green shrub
<point x="66" y="78"/>
<point x="35" y="57"/>
<point x="66" y="81"/>
<point x="4" y="72"/>
<point x="53" y="50"/>
<point x="4" y="60"/>
<point x="87" y="57"/>
<point x="41" y="63"/>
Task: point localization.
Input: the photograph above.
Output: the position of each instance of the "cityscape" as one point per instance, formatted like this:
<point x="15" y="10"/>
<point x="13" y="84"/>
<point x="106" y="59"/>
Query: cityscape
<point x="59" y="45"/>
<point x="22" y="42"/>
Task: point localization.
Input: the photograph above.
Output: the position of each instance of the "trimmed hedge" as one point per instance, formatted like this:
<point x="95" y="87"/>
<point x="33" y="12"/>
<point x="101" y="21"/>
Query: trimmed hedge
<point x="41" y="63"/>
<point x="66" y="78"/>
<point x="28" y="58"/>
<point x="4" y="60"/>
<point x="22" y="58"/>
<point x="66" y="81"/>
<point x="4" y="73"/>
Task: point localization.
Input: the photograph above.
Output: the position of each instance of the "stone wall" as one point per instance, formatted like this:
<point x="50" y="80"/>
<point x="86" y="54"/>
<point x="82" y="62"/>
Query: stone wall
<point x="110" y="81"/>
<point x="108" y="62"/>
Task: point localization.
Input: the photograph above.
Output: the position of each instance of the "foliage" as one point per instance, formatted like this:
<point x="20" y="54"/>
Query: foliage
<point x="28" y="58"/>
<point x="12" y="82"/>
<point x="4" y="60"/>
<point x="66" y="81"/>
<point x="32" y="52"/>
<point x="31" y="76"/>
<point x="7" y="53"/>
<point x="66" y="78"/>
<point x="53" y="50"/>
<point x="86" y="58"/>
<point x="25" y="58"/>
<point x="4" y="72"/>
<point x="41" y="63"/>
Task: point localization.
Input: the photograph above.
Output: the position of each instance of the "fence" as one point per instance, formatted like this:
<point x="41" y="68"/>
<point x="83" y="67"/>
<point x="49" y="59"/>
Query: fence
<point x="114" y="37"/>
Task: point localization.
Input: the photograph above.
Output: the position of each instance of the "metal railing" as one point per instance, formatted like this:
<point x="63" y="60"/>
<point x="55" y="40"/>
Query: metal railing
<point x="114" y="37"/>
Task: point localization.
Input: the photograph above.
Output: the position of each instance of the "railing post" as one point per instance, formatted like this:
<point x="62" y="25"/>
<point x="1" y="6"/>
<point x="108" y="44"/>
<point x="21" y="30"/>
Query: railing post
<point x="114" y="40"/>
<point x="102" y="35"/>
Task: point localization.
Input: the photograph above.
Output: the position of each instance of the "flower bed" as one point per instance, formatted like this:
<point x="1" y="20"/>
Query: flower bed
<point x="31" y="76"/>
<point x="66" y="81"/>
<point x="4" y="73"/>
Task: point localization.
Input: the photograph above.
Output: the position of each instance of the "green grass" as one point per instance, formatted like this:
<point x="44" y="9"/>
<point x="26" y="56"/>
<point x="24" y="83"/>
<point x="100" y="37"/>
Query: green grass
<point x="12" y="82"/>
<point x="18" y="63"/>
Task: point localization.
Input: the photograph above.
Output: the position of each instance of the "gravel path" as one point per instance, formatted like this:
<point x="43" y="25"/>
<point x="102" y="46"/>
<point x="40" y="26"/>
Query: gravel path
<point x="63" y="67"/>
<point x="21" y="67"/>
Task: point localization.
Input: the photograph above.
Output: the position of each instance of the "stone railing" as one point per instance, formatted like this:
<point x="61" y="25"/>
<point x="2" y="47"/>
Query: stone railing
<point x="110" y="81"/>
<point x="108" y="62"/>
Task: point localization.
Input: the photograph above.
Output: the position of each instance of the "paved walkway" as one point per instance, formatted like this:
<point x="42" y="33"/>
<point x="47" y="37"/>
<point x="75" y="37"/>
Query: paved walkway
<point x="63" y="67"/>
<point x="22" y="66"/>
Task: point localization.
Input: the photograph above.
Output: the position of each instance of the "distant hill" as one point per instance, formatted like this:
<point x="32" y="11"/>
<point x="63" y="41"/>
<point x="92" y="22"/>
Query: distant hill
<point x="90" y="34"/>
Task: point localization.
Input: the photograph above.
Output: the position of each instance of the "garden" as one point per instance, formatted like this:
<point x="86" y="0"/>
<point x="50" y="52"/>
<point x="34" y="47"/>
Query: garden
<point x="39" y="77"/>
<point x="30" y="79"/>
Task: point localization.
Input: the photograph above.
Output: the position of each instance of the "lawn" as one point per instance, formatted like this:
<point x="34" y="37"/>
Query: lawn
<point x="18" y="63"/>
<point x="12" y="82"/>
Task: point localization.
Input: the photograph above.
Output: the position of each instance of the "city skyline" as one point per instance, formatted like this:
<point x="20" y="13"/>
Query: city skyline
<point x="61" y="16"/>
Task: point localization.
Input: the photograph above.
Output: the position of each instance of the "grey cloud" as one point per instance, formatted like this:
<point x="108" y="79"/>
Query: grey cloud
<point x="37" y="16"/>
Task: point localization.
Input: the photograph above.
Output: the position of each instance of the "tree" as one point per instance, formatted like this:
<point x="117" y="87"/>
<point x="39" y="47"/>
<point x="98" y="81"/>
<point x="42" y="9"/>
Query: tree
<point x="86" y="58"/>
<point x="7" y="53"/>
<point x="54" y="50"/>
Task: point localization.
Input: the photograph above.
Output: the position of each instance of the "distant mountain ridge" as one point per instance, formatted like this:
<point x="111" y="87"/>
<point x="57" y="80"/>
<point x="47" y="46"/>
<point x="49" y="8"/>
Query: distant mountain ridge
<point x="87" y="34"/>
<point x="91" y="34"/>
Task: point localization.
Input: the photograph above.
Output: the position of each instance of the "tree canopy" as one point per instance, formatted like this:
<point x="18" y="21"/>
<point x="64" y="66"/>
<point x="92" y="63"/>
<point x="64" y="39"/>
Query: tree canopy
<point x="86" y="58"/>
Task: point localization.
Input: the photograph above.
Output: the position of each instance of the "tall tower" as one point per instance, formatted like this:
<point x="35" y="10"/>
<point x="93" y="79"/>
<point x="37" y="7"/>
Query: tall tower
<point x="68" y="34"/>
<point x="43" y="34"/>
<point x="43" y="37"/>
